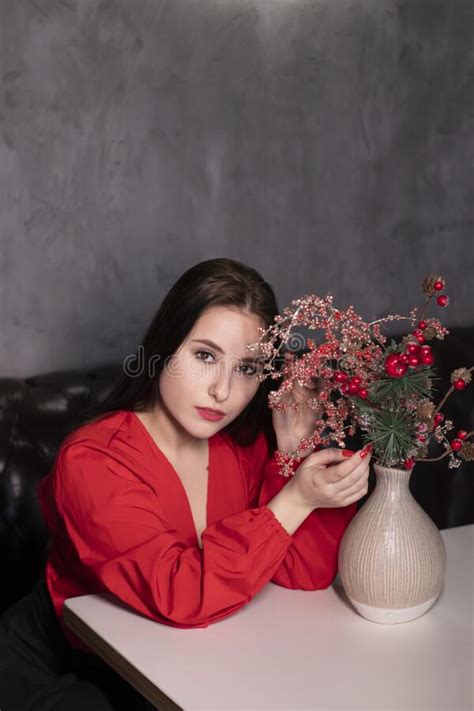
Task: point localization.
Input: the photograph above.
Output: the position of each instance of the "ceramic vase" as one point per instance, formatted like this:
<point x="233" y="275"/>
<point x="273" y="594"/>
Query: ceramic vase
<point x="392" y="558"/>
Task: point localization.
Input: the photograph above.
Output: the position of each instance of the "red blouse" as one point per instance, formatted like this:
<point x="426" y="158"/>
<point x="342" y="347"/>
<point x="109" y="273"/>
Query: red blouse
<point x="120" y="522"/>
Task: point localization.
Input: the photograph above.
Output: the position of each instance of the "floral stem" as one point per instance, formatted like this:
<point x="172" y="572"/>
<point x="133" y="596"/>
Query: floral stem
<point x="449" y="392"/>
<point x="395" y="317"/>
<point x="423" y="311"/>
<point x="449" y="451"/>
<point x="435" y="459"/>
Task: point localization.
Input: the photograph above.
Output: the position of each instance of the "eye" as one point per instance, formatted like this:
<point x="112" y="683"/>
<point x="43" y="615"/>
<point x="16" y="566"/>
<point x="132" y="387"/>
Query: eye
<point x="250" y="372"/>
<point x="201" y="355"/>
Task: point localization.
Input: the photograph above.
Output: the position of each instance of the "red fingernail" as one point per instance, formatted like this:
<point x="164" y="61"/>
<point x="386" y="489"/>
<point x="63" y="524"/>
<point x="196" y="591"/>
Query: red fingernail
<point x="367" y="450"/>
<point x="347" y="452"/>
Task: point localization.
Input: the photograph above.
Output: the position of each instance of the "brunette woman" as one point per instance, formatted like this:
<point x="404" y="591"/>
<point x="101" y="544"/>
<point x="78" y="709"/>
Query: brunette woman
<point x="169" y="496"/>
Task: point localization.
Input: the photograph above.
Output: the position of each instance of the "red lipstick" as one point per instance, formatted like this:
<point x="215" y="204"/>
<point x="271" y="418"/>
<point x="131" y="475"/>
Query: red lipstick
<point x="212" y="415"/>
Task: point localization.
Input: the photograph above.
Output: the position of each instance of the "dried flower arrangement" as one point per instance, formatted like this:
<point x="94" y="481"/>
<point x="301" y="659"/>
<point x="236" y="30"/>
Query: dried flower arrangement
<point x="367" y="382"/>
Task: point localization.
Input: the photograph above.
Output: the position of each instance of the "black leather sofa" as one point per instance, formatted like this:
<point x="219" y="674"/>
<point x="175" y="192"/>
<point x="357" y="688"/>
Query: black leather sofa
<point x="36" y="413"/>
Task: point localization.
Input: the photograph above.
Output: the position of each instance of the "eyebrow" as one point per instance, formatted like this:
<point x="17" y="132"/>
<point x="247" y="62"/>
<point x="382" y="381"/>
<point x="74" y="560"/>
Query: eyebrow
<point x="211" y="344"/>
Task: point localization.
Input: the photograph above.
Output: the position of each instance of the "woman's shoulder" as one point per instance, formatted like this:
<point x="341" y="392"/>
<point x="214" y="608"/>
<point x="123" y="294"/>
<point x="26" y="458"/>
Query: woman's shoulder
<point x="111" y="443"/>
<point x="100" y="430"/>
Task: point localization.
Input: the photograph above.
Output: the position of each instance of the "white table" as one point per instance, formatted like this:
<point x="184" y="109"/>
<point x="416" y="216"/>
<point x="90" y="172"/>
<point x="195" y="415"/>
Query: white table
<point x="295" y="649"/>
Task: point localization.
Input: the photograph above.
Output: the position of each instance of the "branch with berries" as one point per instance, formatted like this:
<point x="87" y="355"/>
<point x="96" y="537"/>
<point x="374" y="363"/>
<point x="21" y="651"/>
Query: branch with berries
<point x="368" y="382"/>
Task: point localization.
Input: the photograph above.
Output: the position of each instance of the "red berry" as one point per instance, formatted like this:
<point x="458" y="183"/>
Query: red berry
<point x="461" y="434"/>
<point x="340" y="377"/>
<point x="353" y="388"/>
<point x="393" y="366"/>
<point x="443" y="300"/>
<point x="403" y="358"/>
<point x="419" y="336"/>
<point x="439" y="285"/>
<point x="456" y="445"/>
<point x="459" y="384"/>
<point x="356" y="380"/>
<point x="399" y="370"/>
<point x="413" y="361"/>
<point x="422" y="325"/>
<point x="425" y="349"/>
<point x="438" y="418"/>
<point x="412" y="349"/>
<point x="363" y="393"/>
<point x="427" y="359"/>
<point x="408" y="463"/>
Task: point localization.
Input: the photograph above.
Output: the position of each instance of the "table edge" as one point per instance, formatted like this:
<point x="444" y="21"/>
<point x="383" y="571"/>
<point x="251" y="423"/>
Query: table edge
<point x="114" y="659"/>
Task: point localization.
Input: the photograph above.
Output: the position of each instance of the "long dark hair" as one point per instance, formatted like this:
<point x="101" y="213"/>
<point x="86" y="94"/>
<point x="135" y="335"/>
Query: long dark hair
<point x="214" y="282"/>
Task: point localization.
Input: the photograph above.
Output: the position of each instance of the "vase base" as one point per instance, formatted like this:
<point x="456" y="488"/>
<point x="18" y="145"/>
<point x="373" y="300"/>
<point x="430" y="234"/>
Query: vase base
<point x="392" y="616"/>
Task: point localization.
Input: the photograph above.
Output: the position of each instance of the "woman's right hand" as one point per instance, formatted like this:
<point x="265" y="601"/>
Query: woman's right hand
<point x="328" y="479"/>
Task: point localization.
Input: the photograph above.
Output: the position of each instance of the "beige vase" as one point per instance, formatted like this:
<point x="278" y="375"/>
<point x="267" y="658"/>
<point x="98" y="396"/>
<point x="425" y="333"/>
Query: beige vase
<point x="392" y="558"/>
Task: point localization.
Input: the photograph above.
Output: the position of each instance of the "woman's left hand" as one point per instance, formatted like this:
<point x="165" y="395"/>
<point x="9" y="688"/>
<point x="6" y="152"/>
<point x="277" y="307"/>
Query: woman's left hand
<point x="293" y="425"/>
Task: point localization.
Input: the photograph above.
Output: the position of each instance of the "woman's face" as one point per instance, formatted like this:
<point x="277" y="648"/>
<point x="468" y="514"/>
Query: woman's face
<point x="212" y="369"/>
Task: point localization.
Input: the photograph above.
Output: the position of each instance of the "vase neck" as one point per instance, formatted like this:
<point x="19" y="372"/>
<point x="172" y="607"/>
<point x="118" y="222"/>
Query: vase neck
<point x="392" y="482"/>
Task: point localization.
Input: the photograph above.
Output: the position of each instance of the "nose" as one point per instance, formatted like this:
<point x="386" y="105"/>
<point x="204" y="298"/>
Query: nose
<point x="219" y="388"/>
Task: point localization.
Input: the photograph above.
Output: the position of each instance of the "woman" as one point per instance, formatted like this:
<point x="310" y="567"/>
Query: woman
<point x="169" y="497"/>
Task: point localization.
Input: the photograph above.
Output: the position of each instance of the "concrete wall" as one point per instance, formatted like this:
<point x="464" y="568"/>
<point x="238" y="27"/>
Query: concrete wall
<point x="325" y="142"/>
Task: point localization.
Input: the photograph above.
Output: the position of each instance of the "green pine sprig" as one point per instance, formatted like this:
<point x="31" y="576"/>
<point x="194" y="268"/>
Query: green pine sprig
<point x="414" y="384"/>
<point x="393" y="434"/>
<point x="388" y="424"/>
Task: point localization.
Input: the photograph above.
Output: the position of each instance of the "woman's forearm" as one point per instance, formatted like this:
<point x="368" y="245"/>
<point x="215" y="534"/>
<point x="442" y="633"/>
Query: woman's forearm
<point x="290" y="443"/>
<point x="289" y="512"/>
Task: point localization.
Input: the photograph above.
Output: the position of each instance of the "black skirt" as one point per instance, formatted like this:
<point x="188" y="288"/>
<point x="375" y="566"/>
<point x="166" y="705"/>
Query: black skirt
<point x="40" y="671"/>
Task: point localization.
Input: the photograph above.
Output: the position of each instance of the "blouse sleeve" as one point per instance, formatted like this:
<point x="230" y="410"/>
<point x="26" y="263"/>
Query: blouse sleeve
<point x="120" y="532"/>
<point x="310" y="562"/>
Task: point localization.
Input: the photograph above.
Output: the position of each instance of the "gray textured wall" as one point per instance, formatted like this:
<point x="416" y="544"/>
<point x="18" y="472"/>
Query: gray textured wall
<point x="325" y="142"/>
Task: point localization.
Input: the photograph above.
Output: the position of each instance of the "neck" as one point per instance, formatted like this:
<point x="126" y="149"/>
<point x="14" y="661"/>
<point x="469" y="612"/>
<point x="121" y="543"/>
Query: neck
<point x="169" y="434"/>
